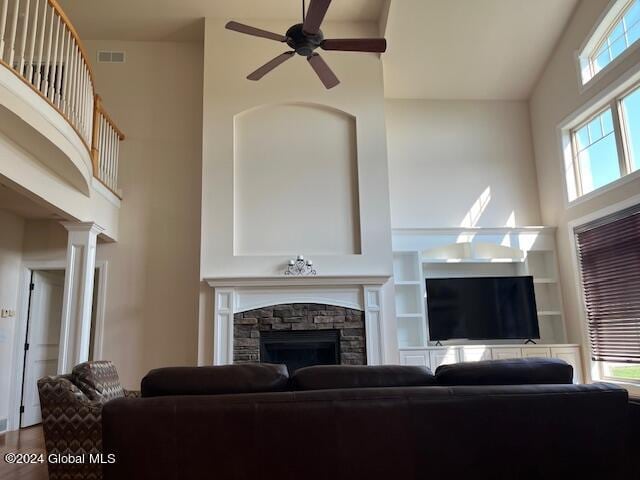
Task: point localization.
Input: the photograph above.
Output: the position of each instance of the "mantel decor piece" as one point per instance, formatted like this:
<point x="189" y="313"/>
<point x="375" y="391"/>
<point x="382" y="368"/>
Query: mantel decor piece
<point x="300" y="267"/>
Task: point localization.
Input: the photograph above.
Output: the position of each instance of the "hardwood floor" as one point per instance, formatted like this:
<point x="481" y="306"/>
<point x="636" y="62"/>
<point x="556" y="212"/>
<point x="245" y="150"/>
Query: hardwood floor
<point x="28" y="440"/>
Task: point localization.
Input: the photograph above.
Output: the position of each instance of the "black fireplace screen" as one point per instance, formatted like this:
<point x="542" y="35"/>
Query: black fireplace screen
<point x="300" y="349"/>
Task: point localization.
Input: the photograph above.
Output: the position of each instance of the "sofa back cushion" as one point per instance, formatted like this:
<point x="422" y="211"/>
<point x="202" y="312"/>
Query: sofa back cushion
<point x="98" y="380"/>
<point x="517" y="371"/>
<point x="324" y="377"/>
<point x="224" y="379"/>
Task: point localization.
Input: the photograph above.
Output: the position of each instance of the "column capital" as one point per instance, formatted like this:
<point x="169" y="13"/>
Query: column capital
<point x="83" y="227"/>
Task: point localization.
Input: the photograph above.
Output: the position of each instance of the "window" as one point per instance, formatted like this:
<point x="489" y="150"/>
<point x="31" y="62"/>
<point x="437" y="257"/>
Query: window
<point x="606" y="146"/>
<point x="609" y="257"/>
<point x="596" y="153"/>
<point x="630" y="106"/>
<point x="616" y="32"/>
<point x="620" y="37"/>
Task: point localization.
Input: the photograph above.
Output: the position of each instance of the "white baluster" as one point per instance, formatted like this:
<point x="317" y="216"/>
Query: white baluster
<point x="114" y="158"/>
<point x="110" y="174"/>
<point x="84" y="100"/>
<point x="32" y="43"/>
<point x="74" y="85"/>
<point x="92" y="106"/>
<point x="78" y="89"/>
<point x="103" y="149"/>
<point x="14" y="31"/>
<point x="117" y="162"/>
<point x="23" y="40"/>
<point x="61" y="69"/>
<point x="54" y="64"/>
<point x="88" y="103"/>
<point x="107" y="152"/>
<point x="43" y="28"/>
<point x="67" y="77"/>
<point x="47" y="72"/>
<point x="81" y="103"/>
<point x="3" y="25"/>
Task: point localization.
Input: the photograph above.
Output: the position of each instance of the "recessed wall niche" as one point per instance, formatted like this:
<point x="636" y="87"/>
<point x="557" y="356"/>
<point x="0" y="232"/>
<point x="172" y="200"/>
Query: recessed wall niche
<point x="295" y="181"/>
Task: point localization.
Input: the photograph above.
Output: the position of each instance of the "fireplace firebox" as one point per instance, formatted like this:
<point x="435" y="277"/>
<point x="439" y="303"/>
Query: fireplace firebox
<point x="300" y="334"/>
<point x="300" y="348"/>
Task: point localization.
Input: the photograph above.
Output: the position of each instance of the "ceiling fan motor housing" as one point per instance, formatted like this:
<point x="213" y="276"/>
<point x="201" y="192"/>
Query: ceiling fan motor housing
<point x="303" y="43"/>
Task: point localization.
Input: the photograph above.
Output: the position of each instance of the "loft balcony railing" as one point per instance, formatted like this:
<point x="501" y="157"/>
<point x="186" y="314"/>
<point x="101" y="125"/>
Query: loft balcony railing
<point x="39" y="44"/>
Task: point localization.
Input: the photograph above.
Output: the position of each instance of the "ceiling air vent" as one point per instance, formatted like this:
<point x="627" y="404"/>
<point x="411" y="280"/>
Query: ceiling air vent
<point x="110" y="57"/>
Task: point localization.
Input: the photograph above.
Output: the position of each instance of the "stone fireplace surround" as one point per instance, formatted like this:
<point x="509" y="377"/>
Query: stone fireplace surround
<point x="290" y="317"/>
<point x="233" y="296"/>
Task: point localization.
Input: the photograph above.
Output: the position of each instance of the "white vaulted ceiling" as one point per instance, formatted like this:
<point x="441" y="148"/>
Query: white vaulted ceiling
<point x="470" y="49"/>
<point x="155" y="20"/>
<point x="438" y="49"/>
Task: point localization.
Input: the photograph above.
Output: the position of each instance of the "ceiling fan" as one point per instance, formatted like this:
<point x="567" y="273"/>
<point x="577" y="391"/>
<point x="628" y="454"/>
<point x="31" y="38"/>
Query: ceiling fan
<point x="304" y="38"/>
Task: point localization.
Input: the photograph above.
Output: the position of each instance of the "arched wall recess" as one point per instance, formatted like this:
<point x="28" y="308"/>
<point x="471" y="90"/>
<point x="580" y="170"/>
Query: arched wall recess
<point x="295" y="180"/>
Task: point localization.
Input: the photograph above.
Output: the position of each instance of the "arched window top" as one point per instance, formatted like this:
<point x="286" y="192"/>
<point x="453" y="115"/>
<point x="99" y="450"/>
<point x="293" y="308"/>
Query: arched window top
<point x="618" y="30"/>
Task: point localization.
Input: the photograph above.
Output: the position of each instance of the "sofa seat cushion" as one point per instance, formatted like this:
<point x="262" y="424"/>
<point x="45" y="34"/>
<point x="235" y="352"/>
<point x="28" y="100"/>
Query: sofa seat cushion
<point x="98" y="380"/>
<point x="218" y="380"/>
<point x="323" y="377"/>
<point x="517" y="371"/>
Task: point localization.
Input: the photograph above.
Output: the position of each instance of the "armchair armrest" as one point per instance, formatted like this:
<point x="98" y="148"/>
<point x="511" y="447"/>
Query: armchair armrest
<point x="72" y="424"/>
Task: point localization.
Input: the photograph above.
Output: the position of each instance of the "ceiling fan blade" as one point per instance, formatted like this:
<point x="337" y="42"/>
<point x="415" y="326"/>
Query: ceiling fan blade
<point x="315" y="14"/>
<point x="327" y="77"/>
<point x="376" y="45"/>
<point x="256" y="32"/>
<point x="270" y="65"/>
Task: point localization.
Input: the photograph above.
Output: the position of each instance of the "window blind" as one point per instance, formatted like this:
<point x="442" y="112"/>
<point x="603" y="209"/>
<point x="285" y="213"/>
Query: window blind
<point x="609" y="254"/>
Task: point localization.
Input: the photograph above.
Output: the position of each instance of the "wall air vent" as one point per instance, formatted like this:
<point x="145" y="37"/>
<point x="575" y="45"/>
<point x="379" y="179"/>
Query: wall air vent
<point x="111" y="57"/>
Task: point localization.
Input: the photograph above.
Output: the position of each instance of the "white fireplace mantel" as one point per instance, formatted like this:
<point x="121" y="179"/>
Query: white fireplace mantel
<point x="238" y="294"/>
<point x="291" y="280"/>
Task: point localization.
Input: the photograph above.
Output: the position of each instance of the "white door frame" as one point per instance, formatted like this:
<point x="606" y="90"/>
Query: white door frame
<point x="15" y="387"/>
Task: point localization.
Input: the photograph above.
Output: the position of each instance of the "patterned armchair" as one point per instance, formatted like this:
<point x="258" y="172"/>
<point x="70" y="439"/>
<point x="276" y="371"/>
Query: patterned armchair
<point x="72" y="415"/>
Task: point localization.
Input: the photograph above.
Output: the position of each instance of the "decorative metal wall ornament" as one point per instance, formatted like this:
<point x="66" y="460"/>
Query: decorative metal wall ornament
<point x="299" y="267"/>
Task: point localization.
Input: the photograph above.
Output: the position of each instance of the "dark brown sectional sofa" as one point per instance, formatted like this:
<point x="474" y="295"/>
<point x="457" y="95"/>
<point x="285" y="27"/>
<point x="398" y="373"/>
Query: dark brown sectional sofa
<point x="520" y="419"/>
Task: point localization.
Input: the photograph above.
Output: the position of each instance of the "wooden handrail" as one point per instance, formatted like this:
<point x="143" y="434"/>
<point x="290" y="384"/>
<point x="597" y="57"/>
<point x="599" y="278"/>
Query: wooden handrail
<point x="49" y="56"/>
<point x="63" y="16"/>
<point x="108" y="118"/>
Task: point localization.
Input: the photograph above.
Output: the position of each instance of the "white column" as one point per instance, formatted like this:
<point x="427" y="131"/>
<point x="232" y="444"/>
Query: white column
<point x="373" y="320"/>
<point x="224" y="303"/>
<point x="78" y="294"/>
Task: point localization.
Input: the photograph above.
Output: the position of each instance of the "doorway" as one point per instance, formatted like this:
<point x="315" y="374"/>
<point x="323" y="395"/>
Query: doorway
<point x="42" y="335"/>
<point x="42" y="344"/>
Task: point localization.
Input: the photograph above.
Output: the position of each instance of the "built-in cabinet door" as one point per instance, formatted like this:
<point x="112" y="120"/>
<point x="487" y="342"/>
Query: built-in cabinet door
<point x="536" y="352"/>
<point x="505" y="353"/>
<point x="571" y="355"/>
<point x="414" y="357"/>
<point x="475" y="354"/>
<point x="443" y="356"/>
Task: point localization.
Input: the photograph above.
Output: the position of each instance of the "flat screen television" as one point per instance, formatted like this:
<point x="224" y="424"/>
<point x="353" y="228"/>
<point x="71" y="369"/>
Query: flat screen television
<point x="482" y="308"/>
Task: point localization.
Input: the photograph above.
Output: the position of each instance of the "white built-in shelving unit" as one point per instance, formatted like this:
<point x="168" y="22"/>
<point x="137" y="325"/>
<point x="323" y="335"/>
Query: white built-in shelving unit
<point x="410" y="294"/>
<point x="420" y="254"/>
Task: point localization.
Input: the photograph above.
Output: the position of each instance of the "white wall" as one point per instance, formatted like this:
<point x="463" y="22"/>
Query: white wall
<point x="461" y="163"/>
<point x="21" y="240"/>
<point x="153" y="270"/>
<point x="229" y="57"/>
<point x="308" y="158"/>
<point x="11" y="237"/>
<point x="557" y="95"/>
